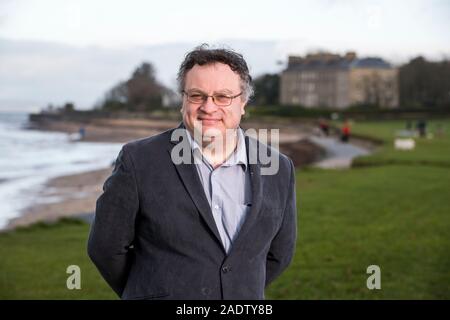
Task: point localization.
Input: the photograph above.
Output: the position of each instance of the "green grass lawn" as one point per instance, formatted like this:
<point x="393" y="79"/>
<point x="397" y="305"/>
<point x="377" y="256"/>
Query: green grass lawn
<point x="396" y="217"/>
<point x="392" y="211"/>
<point x="434" y="151"/>
<point x="35" y="259"/>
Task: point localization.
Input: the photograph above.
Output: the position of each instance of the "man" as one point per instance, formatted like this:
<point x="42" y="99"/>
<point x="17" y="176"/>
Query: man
<point x="188" y="213"/>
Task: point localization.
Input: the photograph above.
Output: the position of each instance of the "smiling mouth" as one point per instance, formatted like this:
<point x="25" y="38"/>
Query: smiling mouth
<point x="207" y="120"/>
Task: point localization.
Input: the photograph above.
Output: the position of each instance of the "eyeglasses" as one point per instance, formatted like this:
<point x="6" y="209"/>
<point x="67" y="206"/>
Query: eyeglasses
<point x="220" y="99"/>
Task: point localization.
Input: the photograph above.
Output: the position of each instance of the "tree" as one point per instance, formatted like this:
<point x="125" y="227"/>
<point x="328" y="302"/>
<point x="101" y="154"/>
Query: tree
<point x="68" y="107"/>
<point x="424" y="83"/>
<point x="142" y="92"/>
<point x="267" y="89"/>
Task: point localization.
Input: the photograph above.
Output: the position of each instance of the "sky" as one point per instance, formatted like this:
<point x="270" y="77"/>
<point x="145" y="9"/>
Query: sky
<point x="56" y="51"/>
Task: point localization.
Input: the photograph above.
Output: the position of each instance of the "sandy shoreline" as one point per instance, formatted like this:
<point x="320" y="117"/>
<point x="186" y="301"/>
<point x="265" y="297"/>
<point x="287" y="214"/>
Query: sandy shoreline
<point x="69" y="196"/>
<point x="75" y="195"/>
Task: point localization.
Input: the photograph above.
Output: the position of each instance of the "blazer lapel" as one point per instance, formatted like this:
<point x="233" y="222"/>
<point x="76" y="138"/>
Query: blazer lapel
<point x="257" y="193"/>
<point x="189" y="177"/>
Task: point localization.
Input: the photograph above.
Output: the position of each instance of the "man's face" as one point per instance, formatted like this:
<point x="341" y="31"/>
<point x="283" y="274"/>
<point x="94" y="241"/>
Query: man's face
<point x="212" y="79"/>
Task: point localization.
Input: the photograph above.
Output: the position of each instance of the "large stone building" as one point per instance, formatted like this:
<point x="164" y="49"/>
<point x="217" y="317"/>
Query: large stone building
<point x="331" y="80"/>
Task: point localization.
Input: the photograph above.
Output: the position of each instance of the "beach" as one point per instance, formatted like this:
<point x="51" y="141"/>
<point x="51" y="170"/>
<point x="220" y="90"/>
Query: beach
<point x="75" y="195"/>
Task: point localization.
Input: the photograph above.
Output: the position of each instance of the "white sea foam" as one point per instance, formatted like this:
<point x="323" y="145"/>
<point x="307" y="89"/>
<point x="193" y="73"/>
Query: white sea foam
<point x="29" y="158"/>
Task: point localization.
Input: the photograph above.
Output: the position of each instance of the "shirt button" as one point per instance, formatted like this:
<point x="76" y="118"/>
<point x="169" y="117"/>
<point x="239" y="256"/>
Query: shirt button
<point x="216" y="207"/>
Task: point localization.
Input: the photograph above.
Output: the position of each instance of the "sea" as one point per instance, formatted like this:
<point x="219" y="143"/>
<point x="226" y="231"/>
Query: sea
<point x="29" y="158"/>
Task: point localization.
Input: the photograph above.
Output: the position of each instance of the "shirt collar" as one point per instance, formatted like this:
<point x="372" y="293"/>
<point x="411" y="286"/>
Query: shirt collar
<point x="238" y="157"/>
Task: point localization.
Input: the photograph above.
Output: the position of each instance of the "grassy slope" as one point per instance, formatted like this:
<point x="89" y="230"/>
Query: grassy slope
<point x="394" y="216"/>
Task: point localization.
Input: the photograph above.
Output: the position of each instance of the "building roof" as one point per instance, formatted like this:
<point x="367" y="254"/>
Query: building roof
<point x="371" y="62"/>
<point x="334" y="62"/>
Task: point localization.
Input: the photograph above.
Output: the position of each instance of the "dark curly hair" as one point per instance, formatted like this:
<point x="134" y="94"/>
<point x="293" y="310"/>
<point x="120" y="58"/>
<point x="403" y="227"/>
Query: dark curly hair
<point x="203" y="55"/>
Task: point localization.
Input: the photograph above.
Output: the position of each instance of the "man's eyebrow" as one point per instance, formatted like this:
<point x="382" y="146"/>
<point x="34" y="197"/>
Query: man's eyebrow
<point x="195" y="89"/>
<point x="226" y="91"/>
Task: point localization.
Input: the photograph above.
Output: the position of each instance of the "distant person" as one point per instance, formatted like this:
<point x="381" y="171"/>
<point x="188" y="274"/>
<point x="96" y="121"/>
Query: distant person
<point x="82" y="132"/>
<point x="77" y="136"/>
<point x="345" y="132"/>
<point x="422" y="128"/>
<point x="211" y="226"/>
<point x="324" y="126"/>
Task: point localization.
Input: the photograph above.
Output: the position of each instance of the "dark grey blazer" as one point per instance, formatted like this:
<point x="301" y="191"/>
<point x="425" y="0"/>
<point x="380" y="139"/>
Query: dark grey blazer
<point x="154" y="236"/>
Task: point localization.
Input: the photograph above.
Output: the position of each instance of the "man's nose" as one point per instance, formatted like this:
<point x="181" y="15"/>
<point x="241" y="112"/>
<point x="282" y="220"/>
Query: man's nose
<point x="208" y="106"/>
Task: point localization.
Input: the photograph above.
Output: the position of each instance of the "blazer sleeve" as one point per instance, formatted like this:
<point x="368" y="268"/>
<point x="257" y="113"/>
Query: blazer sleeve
<point x="282" y="247"/>
<point x="113" y="228"/>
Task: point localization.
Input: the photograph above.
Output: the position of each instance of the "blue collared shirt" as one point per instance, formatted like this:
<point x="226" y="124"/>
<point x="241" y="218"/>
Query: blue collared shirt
<point x="227" y="188"/>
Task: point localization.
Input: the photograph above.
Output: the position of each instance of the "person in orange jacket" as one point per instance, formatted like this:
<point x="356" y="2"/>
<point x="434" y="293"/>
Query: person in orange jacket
<point x="345" y="131"/>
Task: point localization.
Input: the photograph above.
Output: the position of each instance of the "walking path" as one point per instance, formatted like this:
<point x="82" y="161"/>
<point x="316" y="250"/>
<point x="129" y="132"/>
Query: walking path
<point x="339" y="154"/>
